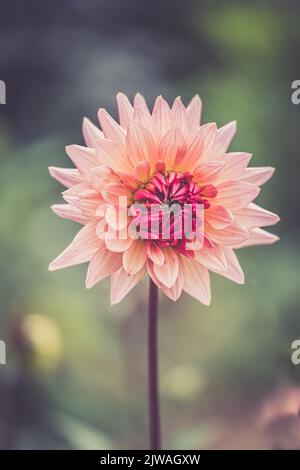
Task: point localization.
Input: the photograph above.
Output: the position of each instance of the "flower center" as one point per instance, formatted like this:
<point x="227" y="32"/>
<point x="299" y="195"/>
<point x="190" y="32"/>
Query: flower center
<point x="169" y="208"/>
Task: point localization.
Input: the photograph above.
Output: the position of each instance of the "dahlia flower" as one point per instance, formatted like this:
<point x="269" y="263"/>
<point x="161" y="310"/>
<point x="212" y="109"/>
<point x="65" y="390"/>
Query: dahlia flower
<point x="160" y="159"/>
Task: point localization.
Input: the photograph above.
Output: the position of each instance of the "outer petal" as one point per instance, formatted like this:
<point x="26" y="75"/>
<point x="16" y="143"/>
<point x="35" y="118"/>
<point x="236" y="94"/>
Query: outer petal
<point x="66" y="176"/>
<point x="83" y="158"/>
<point x="208" y="172"/>
<point x="189" y="159"/>
<point x="234" y="271"/>
<point x="209" y="132"/>
<point x="161" y="116"/>
<point x="70" y="212"/>
<point x="103" y="264"/>
<point x="155" y="253"/>
<point x="113" y="155"/>
<point x="224" y="137"/>
<point x="122" y="283"/>
<point x="230" y="235"/>
<point x="259" y="236"/>
<point x="234" y="167"/>
<point x="196" y="280"/>
<point x="178" y="114"/>
<point x="258" y="175"/>
<point x="82" y="248"/>
<point x="125" y="110"/>
<point x="193" y="113"/>
<point x="91" y="133"/>
<point x="236" y="195"/>
<point x="255" y="216"/>
<point x="212" y="258"/>
<point x="112" y="130"/>
<point x="218" y="217"/>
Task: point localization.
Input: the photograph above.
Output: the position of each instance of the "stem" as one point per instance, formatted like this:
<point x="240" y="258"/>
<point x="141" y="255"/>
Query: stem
<point x="154" y="417"/>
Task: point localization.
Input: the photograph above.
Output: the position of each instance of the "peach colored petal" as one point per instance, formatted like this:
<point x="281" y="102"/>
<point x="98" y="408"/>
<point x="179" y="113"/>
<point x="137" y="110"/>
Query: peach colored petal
<point x="235" y="164"/>
<point x="118" y="245"/>
<point x="82" y="248"/>
<point x="142" y="171"/>
<point x="83" y="158"/>
<point x="212" y="258"/>
<point x="122" y="283"/>
<point x="218" y="217"/>
<point x="140" y="103"/>
<point x="208" y="172"/>
<point x="140" y="144"/>
<point x="178" y="114"/>
<point x="196" y="280"/>
<point x="190" y="158"/>
<point x="66" y="211"/>
<point x="167" y="272"/>
<point x="193" y="113"/>
<point x="155" y="253"/>
<point x="125" y="110"/>
<point x="91" y="133"/>
<point x="224" y="137"/>
<point x="66" y="176"/>
<point x="161" y="116"/>
<point x="134" y="258"/>
<point x="258" y="236"/>
<point x="231" y="235"/>
<point x="255" y="216"/>
<point x="172" y="147"/>
<point x="102" y="265"/>
<point x="113" y="155"/>
<point x="175" y="291"/>
<point x="111" y="129"/>
<point x="236" y="195"/>
<point x="209" y="133"/>
<point x="258" y="175"/>
<point x="234" y="271"/>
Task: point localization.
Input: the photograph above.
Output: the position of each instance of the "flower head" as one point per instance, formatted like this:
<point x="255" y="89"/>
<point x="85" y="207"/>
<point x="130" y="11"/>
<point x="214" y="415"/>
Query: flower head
<point x="159" y="194"/>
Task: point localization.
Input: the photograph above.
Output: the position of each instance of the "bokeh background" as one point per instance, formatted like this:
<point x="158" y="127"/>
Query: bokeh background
<point x="76" y="373"/>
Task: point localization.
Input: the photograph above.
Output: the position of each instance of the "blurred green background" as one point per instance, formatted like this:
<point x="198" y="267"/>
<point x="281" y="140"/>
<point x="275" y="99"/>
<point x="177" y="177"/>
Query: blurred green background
<point x="76" y="373"/>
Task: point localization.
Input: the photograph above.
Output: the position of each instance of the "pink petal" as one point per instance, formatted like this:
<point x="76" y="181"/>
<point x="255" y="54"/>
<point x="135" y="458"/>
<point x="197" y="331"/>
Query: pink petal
<point x="196" y="280"/>
<point x="122" y="283"/>
<point x="178" y="114"/>
<point x="258" y="236"/>
<point x="103" y="264"/>
<point x="111" y="129"/>
<point x="175" y="291"/>
<point x="134" y="258"/>
<point x="82" y="248"/>
<point x="172" y="147"/>
<point x="83" y="158"/>
<point x="140" y="144"/>
<point x="231" y="235"/>
<point x="155" y="253"/>
<point x="142" y="171"/>
<point x="66" y="176"/>
<point x="116" y="244"/>
<point x="211" y="258"/>
<point x="208" y="172"/>
<point x="209" y="133"/>
<point x="113" y="155"/>
<point x="91" y="133"/>
<point x="70" y="212"/>
<point x="167" y="273"/>
<point x="140" y="103"/>
<point x="161" y="116"/>
<point x="258" y="175"/>
<point x="218" y="217"/>
<point x="234" y="167"/>
<point x="234" y="271"/>
<point x="255" y="216"/>
<point x="193" y="113"/>
<point x="125" y="110"/>
<point x="194" y="146"/>
<point x="236" y="195"/>
<point x="224" y="137"/>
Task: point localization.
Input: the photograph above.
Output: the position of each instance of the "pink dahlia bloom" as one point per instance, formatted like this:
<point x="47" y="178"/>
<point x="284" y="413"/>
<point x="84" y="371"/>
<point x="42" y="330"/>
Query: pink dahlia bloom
<point x="160" y="159"/>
